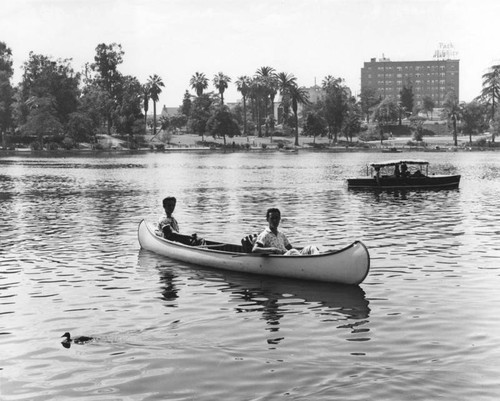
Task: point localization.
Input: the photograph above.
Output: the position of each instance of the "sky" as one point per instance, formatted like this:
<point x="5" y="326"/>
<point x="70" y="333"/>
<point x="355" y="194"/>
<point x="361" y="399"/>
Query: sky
<point x="310" y="39"/>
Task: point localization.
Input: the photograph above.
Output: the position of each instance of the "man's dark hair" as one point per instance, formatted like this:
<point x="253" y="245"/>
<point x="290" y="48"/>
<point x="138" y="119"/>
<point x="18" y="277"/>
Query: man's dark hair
<point x="272" y="210"/>
<point x="169" y="199"/>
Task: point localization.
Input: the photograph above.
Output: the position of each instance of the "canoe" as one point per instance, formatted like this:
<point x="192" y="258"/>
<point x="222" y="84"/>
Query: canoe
<point x="349" y="265"/>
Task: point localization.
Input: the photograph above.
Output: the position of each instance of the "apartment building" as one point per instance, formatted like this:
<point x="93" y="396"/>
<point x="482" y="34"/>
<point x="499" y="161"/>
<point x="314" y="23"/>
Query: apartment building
<point x="435" y="78"/>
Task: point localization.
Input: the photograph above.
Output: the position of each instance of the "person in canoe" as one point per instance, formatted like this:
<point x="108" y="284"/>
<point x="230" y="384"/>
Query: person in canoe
<point x="273" y="241"/>
<point x="167" y="224"/>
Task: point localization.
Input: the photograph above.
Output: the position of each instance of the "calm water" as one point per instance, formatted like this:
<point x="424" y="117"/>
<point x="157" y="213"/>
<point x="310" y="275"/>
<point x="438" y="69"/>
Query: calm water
<point x="424" y="325"/>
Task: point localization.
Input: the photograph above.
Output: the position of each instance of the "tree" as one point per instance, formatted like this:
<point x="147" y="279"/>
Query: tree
<point x="105" y="66"/>
<point x="128" y="116"/>
<point x="200" y="113"/>
<point x="452" y="112"/>
<point x="495" y="125"/>
<point x="243" y="86"/>
<point x="268" y="82"/>
<point x="473" y="117"/>
<point x="352" y="119"/>
<point x="428" y="105"/>
<point x="80" y="127"/>
<point x="285" y="82"/>
<point x="186" y="104"/>
<point x="6" y="91"/>
<point x="221" y="83"/>
<point x="222" y="123"/>
<point x="315" y="125"/>
<point x="386" y="113"/>
<point x="47" y="95"/>
<point x="155" y="84"/>
<point x="199" y="82"/>
<point x="368" y="100"/>
<point x="490" y="94"/>
<point x="146" y="93"/>
<point x="406" y="97"/>
<point x="336" y="104"/>
<point x="42" y="119"/>
<point x="297" y="96"/>
<point x="258" y="93"/>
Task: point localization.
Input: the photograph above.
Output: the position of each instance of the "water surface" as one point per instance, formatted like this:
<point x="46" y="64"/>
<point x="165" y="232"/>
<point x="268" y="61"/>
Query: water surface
<point x="423" y="325"/>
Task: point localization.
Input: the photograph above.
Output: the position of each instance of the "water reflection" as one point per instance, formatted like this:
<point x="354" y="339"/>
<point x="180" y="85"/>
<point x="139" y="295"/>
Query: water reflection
<point x="275" y="298"/>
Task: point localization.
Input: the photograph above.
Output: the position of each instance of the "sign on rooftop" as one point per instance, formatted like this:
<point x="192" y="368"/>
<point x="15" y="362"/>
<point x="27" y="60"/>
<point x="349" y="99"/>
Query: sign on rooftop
<point x="445" y="51"/>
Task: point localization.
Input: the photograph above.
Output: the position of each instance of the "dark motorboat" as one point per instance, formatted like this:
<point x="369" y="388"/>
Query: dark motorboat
<point x="402" y="174"/>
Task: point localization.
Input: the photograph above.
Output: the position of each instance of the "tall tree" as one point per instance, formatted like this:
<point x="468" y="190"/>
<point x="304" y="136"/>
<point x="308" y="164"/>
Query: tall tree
<point x="386" y="113"/>
<point x="268" y="84"/>
<point x="186" y="104"/>
<point x="146" y="93"/>
<point x="155" y="83"/>
<point x="285" y="82"/>
<point x="428" y="105"/>
<point x="368" y="100"/>
<point x="490" y="94"/>
<point x="221" y="83"/>
<point x="222" y="123"/>
<point x="199" y="82"/>
<point x="473" y="117"/>
<point x="107" y="76"/>
<point x="336" y="104"/>
<point x="452" y="111"/>
<point x="48" y="94"/>
<point x="243" y="86"/>
<point x="6" y="91"/>
<point x="352" y="119"/>
<point x="201" y="111"/>
<point x="406" y="97"/>
<point x="297" y="96"/>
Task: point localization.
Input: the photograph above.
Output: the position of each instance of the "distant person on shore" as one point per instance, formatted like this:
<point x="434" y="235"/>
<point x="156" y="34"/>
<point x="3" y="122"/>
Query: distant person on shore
<point x="167" y="224"/>
<point x="273" y="241"/>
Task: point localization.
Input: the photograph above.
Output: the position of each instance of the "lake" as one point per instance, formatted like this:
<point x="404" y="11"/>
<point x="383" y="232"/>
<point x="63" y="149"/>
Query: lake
<point x="423" y="325"/>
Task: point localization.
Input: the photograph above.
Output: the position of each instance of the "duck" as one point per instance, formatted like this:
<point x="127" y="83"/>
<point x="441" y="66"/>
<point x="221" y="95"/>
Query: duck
<point x="77" y="340"/>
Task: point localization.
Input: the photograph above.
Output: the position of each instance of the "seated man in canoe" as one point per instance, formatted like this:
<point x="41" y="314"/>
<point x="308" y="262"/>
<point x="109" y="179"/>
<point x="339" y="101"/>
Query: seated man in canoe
<point x="273" y="241"/>
<point x="167" y="224"/>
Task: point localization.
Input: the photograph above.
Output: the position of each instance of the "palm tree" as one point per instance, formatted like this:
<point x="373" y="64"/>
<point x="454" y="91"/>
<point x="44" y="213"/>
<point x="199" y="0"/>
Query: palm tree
<point x="491" y="88"/>
<point x="285" y="82"/>
<point x="257" y="92"/>
<point x="297" y="96"/>
<point x="268" y="83"/>
<point x="221" y="82"/>
<point x="146" y="92"/>
<point x="452" y="110"/>
<point x="199" y="82"/>
<point x="243" y="86"/>
<point x="155" y="84"/>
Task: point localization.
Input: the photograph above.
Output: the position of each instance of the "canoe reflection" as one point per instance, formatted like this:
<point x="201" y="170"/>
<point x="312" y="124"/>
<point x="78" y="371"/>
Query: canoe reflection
<point x="272" y="296"/>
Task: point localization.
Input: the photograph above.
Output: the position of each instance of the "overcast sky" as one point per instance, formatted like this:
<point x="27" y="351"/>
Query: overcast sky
<point x="308" y="38"/>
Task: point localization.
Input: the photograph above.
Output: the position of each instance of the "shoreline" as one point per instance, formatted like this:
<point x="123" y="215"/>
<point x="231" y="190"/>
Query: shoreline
<point x="193" y="143"/>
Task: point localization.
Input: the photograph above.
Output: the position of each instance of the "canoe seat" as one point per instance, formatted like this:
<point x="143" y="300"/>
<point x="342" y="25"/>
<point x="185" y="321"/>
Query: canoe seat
<point x="248" y="242"/>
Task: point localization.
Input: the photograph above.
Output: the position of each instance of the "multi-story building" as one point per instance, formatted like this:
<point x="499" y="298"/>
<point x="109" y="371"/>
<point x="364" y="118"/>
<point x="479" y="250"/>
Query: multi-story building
<point x="434" y="78"/>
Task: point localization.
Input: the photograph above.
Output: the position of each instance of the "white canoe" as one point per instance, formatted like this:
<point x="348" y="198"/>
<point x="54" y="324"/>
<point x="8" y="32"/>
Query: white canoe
<point x="349" y="265"/>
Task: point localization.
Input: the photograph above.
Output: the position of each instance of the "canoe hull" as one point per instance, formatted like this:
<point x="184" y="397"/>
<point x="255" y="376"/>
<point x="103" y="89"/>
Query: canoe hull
<point x="431" y="182"/>
<point x="347" y="266"/>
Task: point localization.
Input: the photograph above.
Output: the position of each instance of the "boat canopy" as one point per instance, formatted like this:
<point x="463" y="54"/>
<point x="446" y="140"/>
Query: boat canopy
<point x="399" y="162"/>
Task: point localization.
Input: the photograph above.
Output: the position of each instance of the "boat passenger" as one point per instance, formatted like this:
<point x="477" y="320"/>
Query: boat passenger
<point x="273" y="241"/>
<point x="167" y="223"/>
<point x="397" y="172"/>
<point x="404" y="170"/>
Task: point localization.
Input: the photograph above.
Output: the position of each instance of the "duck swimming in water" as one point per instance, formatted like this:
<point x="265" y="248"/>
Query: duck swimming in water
<point x="77" y="340"/>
